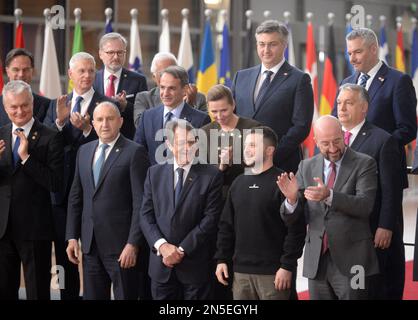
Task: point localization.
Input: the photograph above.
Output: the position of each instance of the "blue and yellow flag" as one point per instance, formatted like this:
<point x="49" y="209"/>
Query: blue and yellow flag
<point x="207" y="75"/>
<point x="225" y="68"/>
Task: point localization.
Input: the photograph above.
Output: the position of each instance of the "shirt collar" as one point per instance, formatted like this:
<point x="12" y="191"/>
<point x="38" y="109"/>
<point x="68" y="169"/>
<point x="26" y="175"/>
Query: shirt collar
<point x="117" y="74"/>
<point x="337" y="164"/>
<point x="186" y="167"/>
<point x="110" y="144"/>
<point x="87" y="96"/>
<point x="354" y="131"/>
<point x="373" y="71"/>
<point x="275" y="69"/>
<point x="26" y="128"/>
<point x="176" y="111"/>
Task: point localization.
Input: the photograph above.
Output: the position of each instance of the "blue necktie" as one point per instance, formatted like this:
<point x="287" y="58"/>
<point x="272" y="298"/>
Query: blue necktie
<point x="264" y="86"/>
<point x="363" y="79"/>
<point x="16" y="156"/>
<point x="179" y="185"/>
<point x="97" y="168"/>
<point x="77" y="105"/>
<point x="168" y="117"/>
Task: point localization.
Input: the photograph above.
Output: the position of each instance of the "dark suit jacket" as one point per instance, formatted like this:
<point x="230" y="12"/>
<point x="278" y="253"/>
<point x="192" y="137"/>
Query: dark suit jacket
<point x="384" y="148"/>
<point x="392" y="107"/>
<point x="192" y="224"/>
<point x="110" y="211"/>
<point x="40" y="108"/>
<point x="346" y="221"/>
<point x="73" y="139"/>
<point x="286" y="107"/>
<point x="25" y="203"/>
<point x="152" y="121"/>
<point x="149" y="99"/>
<point x="132" y="83"/>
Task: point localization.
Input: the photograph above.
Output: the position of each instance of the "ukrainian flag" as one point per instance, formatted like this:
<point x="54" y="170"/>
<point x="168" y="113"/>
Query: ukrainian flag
<point x="207" y="75"/>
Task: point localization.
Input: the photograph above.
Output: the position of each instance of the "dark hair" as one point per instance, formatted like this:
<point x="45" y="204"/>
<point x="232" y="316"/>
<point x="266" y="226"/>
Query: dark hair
<point x="219" y="92"/>
<point x="269" y="136"/>
<point x="178" y="73"/>
<point x="360" y="90"/>
<point x="19" y="52"/>
<point x="171" y="127"/>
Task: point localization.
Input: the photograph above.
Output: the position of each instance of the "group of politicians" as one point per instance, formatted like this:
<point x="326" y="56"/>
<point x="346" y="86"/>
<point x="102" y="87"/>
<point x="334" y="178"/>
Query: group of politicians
<point x="168" y="194"/>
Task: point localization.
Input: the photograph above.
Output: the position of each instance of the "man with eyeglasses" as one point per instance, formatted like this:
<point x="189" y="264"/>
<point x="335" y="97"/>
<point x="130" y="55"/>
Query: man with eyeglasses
<point x="116" y="82"/>
<point x="20" y="66"/>
<point x="276" y="94"/>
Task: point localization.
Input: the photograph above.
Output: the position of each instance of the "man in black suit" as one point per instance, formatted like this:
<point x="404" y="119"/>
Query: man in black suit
<point x="179" y="217"/>
<point x="31" y="156"/>
<point x="385" y="221"/>
<point x="276" y="94"/>
<point x="116" y="82"/>
<point x="20" y="66"/>
<point x="174" y="82"/>
<point x="103" y="209"/>
<point x="71" y="115"/>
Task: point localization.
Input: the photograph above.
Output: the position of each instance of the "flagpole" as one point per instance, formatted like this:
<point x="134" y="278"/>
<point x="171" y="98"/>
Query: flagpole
<point x="108" y="14"/>
<point x="369" y="19"/>
<point x="18" y="17"/>
<point x="267" y="14"/>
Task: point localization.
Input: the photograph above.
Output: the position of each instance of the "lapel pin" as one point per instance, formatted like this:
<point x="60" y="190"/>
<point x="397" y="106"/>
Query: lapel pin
<point x="33" y="137"/>
<point x="254" y="186"/>
<point x="125" y="75"/>
<point x="117" y="150"/>
<point x="364" y="133"/>
<point x="190" y="179"/>
<point x="285" y="74"/>
<point x="381" y="79"/>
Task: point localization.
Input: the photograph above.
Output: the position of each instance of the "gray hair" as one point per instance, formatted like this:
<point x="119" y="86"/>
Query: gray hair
<point x="81" y="56"/>
<point x="360" y="90"/>
<point x="271" y="26"/>
<point x="366" y="34"/>
<point x="178" y="73"/>
<point x="112" y="36"/>
<point x="17" y="87"/>
<point x="171" y="127"/>
<point x="108" y="104"/>
<point x="162" y="56"/>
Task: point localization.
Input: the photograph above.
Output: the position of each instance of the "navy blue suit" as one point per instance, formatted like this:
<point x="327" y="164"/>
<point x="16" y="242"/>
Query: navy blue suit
<point x="40" y="108"/>
<point x="106" y="216"/>
<point x="286" y="107"/>
<point x="387" y="209"/>
<point x="131" y="82"/>
<point x="152" y="121"/>
<point x="73" y="139"/>
<point x="191" y="225"/>
<point x="392" y="107"/>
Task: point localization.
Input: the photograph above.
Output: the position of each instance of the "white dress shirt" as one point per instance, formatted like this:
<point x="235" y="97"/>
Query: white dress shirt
<point x="263" y="75"/>
<point x="354" y="131"/>
<point x="372" y="73"/>
<point x="106" y="79"/>
<point x="107" y="152"/>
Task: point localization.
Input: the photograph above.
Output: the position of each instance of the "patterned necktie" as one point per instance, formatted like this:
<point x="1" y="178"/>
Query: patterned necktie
<point x="168" y="117"/>
<point x="330" y="185"/>
<point x="77" y="105"/>
<point x="347" y="136"/>
<point x="264" y="86"/>
<point x="16" y="156"/>
<point x="97" y="168"/>
<point x="179" y="185"/>
<point x="363" y="79"/>
<point x="110" y="90"/>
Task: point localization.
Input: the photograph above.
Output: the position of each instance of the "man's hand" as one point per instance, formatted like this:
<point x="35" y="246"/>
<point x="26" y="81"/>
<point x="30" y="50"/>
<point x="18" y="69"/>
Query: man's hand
<point x="317" y="193"/>
<point x="24" y="144"/>
<point x="63" y="109"/>
<point x="2" y="147"/>
<point x="171" y="254"/>
<point x="283" y="279"/>
<point x="222" y="273"/>
<point x="81" y="122"/>
<point x="121" y="99"/>
<point x="191" y="94"/>
<point x="127" y="258"/>
<point x="73" y="251"/>
<point x="225" y="158"/>
<point x="382" y="238"/>
<point x="288" y="185"/>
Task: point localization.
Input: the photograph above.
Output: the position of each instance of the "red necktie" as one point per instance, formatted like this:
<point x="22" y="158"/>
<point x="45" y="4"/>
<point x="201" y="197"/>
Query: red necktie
<point x="330" y="185"/>
<point x="347" y="136"/>
<point x="110" y="90"/>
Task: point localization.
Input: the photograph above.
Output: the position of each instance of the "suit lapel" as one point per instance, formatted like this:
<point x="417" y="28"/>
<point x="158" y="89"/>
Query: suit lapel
<point x="100" y="81"/>
<point x="123" y="77"/>
<point x="190" y="179"/>
<point x="283" y="74"/>
<point x="8" y="143"/>
<point x="113" y="156"/>
<point x="318" y="171"/>
<point x="186" y="113"/>
<point x="168" y="187"/>
<point x="157" y="121"/>
<point x="378" y="81"/>
<point x="362" y="136"/>
<point x="345" y="169"/>
<point x="90" y="158"/>
<point x="253" y="83"/>
<point x="93" y="103"/>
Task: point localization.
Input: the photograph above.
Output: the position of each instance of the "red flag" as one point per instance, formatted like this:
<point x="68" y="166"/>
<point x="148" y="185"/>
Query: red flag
<point x="329" y="84"/>
<point x="19" y="40"/>
<point x="311" y="69"/>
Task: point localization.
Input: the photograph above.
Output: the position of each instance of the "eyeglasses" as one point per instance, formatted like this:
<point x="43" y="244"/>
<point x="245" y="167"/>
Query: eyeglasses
<point x="270" y="45"/>
<point x="112" y="53"/>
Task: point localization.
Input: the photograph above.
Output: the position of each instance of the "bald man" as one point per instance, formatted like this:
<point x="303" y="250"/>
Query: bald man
<point x="335" y="190"/>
